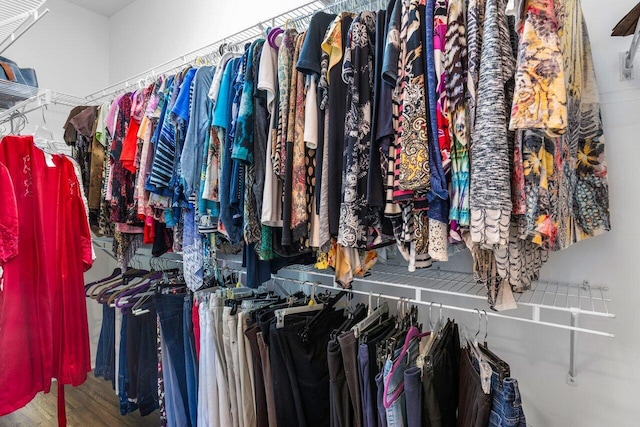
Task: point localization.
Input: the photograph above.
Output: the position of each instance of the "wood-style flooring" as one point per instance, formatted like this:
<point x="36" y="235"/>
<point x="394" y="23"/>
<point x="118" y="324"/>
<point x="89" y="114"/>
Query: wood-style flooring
<point x="94" y="403"/>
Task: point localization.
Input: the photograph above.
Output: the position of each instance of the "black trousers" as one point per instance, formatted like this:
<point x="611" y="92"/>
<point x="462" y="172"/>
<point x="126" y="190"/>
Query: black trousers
<point x="300" y="370"/>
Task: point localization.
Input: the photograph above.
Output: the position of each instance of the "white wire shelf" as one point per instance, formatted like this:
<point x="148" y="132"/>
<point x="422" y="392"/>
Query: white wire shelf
<point x="549" y="295"/>
<point x="17" y="17"/>
<point x="18" y="99"/>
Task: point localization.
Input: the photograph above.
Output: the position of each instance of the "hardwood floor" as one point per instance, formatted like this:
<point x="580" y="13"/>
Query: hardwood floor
<point x="94" y="403"/>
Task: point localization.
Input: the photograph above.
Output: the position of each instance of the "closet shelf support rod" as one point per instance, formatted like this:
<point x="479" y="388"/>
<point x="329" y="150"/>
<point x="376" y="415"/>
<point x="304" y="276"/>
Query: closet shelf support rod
<point x="572" y="376"/>
<point x="628" y="57"/>
<point x="34" y="16"/>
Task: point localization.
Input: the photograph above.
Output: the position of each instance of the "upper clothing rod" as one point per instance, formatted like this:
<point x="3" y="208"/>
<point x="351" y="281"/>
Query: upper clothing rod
<point x="297" y="14"/>
<point x="209" y="47"/>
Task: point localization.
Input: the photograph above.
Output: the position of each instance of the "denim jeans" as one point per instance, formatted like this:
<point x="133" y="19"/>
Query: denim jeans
<point x="413" y="393"/>
<point x="126" y="406"/>
<point x="506" y="409"/>
<point x="369" y="418"/>
<point x="170" y="309"/>
<point x="174" y="406"/>
<point x="394" y="379"/>
<point x="382" y="412"/>
<point x="106" y="353"/>
<point x="142" y="360"/>
<point x="191" y="366"/>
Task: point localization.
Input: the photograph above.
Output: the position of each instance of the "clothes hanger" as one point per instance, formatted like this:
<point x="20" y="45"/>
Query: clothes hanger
<point x="43" y="136"/>
<point x="284" y="312"/>
<point x="136" y="285"/>
<point x="501" y="367"/>
<point x="101" y="294"/>
<point x="93" y="294"/>
<point x="116" y="272"/>
<point x="121" y="299"/>
<point x="304" y="333"/>
<point x="376" y="317"/>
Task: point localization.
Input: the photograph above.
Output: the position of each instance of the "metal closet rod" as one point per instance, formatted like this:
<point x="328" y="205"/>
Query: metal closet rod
<point x="152" y="71"/>
<point x="448" y="307"/>
<point x="292" y="16"/>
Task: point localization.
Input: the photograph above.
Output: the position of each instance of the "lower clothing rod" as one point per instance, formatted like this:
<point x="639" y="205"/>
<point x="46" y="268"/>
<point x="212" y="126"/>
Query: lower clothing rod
<point x="452" y="307"/>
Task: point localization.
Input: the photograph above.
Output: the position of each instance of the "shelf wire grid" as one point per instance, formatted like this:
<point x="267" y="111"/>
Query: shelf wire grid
<point x="17" y="17"/>
<point x="552" y="295"/>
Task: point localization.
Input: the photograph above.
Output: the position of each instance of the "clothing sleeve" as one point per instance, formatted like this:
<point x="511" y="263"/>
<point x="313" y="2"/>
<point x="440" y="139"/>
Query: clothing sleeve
<point x="8" y="217"/>
<point x="79" y="213"/>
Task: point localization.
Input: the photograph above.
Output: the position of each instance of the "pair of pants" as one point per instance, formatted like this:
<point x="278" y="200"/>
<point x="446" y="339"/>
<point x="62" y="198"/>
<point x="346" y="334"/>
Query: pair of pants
<point x="126" y="406"/>
<point x="142" y="360"/>
<point x="300" y="370"/>
<point x="506" y="408"/>
<point x="341" y="410"/>
<point x="349" y="347"/>
<point x="369" y="370"/>
<point x="413" y="395"/>
<point x="440" y="382"/>
<point x="262" y="419"/>
<point x="268" y="379"/>
<point x="245" y="373"/>
<point x="474" y="406"/>
<point x="174" y="406"/>
<point x="213" y="392"/>
<point x="170" y="309"/>
<point x="191" y="365"/>
<point x="393" y="375"/>
<point x="106" y="354"/>
<point x="229" y="336"/>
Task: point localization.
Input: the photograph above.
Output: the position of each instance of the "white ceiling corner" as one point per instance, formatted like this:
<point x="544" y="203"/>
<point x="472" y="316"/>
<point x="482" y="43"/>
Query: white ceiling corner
<point x="106" y="8"/>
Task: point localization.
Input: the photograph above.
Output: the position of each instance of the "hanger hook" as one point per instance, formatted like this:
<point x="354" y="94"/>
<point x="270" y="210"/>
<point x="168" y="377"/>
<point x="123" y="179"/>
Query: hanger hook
<point x="479" y="322"/>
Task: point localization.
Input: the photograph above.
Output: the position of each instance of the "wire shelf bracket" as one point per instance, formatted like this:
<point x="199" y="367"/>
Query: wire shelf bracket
<point x="17" y="17"/>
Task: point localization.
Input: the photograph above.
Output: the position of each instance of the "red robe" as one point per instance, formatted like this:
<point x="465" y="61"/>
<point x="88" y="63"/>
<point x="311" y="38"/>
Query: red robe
<point x="43" y="318"/>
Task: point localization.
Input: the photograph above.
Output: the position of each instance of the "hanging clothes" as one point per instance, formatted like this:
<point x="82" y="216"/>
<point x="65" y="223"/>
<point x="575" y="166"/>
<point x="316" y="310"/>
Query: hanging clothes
<point x="43" y="312"/>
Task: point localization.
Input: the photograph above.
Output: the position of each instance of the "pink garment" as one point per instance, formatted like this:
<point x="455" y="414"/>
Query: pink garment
<point x="130" y="229"/>
<point x="110" y="121"/>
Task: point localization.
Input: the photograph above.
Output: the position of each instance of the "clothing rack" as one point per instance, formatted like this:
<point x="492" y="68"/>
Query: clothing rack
<point x="17" y="17"/>
<point x="298" y="17"/>
<point x="400" y="285"/>
<point x="549" y="296"/>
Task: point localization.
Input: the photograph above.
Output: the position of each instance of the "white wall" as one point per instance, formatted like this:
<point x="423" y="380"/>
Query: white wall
<point x="168" y="29"/>
<point x="69" y="49"/>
